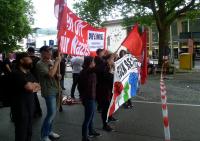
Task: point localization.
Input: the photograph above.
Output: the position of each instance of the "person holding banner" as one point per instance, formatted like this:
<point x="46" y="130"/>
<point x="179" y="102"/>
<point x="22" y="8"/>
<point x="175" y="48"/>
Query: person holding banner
<point x="87" y="86"/>
<point x="128" y="104"/>
<point x="107" y="87"/>
<point x="47" y="74"/>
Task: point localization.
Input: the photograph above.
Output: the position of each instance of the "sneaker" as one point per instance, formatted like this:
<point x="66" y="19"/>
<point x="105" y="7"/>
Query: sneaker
<point x="45" y="139"/>
<point x="107" y="128"/>
<point x="94" y="134"/>
<point x="54" y="135"/>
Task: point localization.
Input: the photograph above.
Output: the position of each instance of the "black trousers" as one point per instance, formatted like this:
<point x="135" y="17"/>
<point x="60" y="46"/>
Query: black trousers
<point x="38" y="110"/>
<point x="62" y="81"/>
<point x="22" y="113"/>
<point x="104" y="106"/>
<point x="74" y="84"/>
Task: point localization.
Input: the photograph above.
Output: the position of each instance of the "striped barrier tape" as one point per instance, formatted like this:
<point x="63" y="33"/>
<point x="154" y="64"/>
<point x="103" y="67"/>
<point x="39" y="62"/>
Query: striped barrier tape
<point x="163" y="92"/>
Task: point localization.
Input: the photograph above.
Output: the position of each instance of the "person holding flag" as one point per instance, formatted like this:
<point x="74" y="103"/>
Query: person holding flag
<point x="47" y="75"/>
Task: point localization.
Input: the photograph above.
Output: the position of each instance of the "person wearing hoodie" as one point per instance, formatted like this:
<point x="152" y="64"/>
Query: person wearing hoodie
<point x="87" y="88"/>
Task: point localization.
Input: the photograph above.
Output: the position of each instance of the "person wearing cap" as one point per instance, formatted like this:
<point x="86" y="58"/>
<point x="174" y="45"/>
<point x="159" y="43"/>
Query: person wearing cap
<point x="48" y="78"/>
<point x="24" y="85"/>
<point x="35" y="59"/>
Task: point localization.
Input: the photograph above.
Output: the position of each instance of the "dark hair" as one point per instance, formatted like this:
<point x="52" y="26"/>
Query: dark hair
<point x="108" y="56"/>
<point x="99" y="51"/>
<point x="19" y="56"/>
<point x="87" y="61"/>
<point x="45" y="48"/>
<point x="121" y="53"/>
<point x="55" y="54"/>
<point x="31" y="50"/>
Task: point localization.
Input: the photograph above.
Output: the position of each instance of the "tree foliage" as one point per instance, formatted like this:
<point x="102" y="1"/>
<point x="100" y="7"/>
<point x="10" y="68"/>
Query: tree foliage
<point x="161" y="12"/>
<point x="15" y="19"/>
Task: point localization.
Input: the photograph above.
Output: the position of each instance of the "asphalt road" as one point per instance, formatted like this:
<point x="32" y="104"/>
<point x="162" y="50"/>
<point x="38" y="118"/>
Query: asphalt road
<point x="143" y="123"/>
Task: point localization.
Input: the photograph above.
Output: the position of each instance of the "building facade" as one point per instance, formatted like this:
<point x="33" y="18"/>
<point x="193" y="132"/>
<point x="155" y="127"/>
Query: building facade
<point x="180" y="31"/>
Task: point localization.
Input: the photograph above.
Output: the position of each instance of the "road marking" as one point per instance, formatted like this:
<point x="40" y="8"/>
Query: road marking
<point x="176" y="104"/>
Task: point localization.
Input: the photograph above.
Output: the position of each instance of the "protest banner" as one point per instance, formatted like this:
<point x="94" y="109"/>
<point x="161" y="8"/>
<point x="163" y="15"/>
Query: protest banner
<point x="126" y="80"/>
<point x="77" y="37"/>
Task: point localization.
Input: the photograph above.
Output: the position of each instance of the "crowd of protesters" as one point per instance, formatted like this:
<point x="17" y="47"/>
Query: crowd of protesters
<point x="93" y="77"/>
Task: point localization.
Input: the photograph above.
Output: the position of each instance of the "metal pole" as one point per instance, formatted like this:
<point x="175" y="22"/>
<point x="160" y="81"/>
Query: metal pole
<point x="171" y="46"/>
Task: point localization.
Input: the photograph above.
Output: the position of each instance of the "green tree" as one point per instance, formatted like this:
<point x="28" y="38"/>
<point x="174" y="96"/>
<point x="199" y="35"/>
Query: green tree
<point x="161" y="12"/>
<point x="15" y="19"/>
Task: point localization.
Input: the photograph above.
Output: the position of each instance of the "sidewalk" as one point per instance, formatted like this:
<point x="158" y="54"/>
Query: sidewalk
<point x="195" y="69"/>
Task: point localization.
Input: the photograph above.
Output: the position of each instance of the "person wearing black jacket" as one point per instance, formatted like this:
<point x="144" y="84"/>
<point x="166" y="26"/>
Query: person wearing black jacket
<point x="107" y="86"/>
<point x="99" y="68"/>
<point x="35" y="59"/>
<point x="24" y="86"/>
<point x="87" y="87"/>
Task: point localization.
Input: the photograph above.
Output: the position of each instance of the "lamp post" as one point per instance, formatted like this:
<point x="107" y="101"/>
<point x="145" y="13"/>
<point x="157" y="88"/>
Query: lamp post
<point x="171" y="46"/>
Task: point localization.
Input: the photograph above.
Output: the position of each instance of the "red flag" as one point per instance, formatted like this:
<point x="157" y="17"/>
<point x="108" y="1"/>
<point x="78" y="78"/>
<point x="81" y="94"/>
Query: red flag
<point x="77" y="37"/>
<point x="58" y="9"/>
<point x="144" y="58"/>
<point x="133" y="42"/>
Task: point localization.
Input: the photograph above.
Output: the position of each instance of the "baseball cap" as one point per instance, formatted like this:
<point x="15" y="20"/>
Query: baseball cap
<point x="45" y="48"/>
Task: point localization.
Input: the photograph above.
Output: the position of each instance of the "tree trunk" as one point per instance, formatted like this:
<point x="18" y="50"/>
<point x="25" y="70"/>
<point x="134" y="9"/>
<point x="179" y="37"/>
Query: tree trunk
<point x="163" y="43"/>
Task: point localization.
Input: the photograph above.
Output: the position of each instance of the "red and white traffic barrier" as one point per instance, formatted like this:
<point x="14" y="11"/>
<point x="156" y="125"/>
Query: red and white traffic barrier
<point x="163" y="92"/>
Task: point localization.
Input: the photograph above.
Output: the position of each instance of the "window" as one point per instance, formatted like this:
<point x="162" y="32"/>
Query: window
<point x="184" y="26"/>
<point x="174" y="29"/>
<point x="194" y="25"/>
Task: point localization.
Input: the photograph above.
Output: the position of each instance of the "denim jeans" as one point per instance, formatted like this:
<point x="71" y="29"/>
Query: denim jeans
<point x="89" y="106"/>
<point x="51" y="113"/>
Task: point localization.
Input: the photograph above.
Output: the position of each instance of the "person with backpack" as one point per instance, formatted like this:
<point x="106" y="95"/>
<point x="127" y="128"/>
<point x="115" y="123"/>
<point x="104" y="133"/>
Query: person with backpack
<point x="24" y="85"/>
<point x="35" y="59"/>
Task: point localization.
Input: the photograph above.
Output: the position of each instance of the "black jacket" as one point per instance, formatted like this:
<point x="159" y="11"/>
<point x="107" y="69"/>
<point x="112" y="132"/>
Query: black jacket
<point x="87" y="84"/>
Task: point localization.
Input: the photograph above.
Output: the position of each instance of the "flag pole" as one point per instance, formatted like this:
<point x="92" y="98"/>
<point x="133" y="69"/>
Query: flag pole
<point x="59" y="12"/>
<point x="59" y="85"/>
<point x="117" y="49"/>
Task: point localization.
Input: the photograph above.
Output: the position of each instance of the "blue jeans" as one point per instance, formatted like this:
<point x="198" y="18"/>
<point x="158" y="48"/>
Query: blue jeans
<point x="89" y="106"/>
<point x="51" y="113"/>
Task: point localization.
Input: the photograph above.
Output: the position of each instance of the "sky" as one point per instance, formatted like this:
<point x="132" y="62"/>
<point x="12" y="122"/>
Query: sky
<point x="44" y="17"/>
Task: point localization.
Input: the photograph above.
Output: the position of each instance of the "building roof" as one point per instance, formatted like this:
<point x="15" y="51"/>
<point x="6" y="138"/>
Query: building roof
<point x="111" y="22"/>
